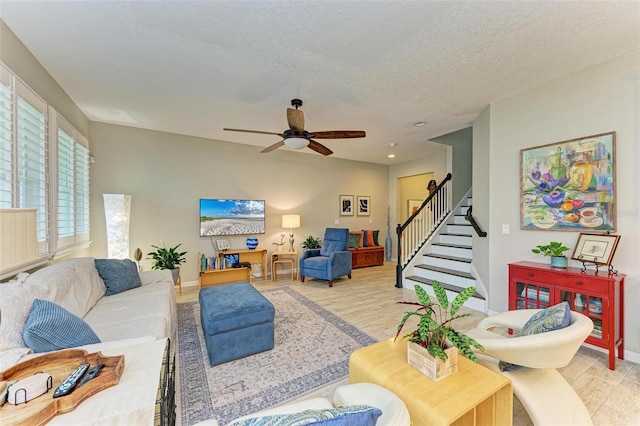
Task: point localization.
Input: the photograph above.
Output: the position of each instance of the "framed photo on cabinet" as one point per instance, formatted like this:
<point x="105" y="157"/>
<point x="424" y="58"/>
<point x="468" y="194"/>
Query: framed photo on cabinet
<point x="595" y="248"/>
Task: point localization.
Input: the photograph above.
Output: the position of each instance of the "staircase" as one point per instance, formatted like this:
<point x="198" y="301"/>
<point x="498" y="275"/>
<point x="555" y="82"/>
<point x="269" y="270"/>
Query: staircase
<point x="446" y="258"/>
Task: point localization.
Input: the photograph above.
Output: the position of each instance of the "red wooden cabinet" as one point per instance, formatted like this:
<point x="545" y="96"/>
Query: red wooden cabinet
<point x="600" y="297"/>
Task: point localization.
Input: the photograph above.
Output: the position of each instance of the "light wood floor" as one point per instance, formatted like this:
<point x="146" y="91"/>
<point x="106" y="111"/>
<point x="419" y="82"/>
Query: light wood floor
<point x="368" y="301"/>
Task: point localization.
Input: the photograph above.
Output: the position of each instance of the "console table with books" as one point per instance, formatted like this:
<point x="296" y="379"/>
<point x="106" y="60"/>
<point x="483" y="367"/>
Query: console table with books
<point x="221" y="273"/>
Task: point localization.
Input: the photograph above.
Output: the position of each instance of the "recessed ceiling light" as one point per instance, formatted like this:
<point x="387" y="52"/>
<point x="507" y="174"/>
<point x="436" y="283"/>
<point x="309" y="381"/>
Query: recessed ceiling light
<point x="391" y="156"/>
<point x="392" y="144"/>
<point x="419" y="123"/>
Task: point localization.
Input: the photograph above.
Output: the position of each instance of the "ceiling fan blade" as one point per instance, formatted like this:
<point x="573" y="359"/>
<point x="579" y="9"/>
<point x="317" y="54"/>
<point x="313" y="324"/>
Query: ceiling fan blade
<point x="295" y="117"/>
<point x="274" y="146"/>
<point x="319" y="148"/>
<point x="339" y="134"/>
<point x="255" y="131"/>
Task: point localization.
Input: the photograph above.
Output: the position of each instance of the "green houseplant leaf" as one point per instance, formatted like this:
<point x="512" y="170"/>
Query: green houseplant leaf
<point x="554" y="248"/>
<point x="434" y="330"/>
<point x="166" y="258"/>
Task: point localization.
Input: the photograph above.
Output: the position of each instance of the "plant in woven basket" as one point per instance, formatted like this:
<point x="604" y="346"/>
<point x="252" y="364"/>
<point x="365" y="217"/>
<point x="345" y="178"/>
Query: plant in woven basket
<point x="435" y="331"/>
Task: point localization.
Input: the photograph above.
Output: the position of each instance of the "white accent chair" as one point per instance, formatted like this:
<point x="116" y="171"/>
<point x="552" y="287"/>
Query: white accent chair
<point x="548" y="398"/>
<point x="394" y="411"/>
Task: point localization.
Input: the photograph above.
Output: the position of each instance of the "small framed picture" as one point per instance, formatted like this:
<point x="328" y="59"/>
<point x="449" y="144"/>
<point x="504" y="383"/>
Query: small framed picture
<point x="346" y="205"/>
<point x="223" y="245"/>
<point x="595" y="248"/>
<point x="413" y="206"/>
<point x="364" y="204"/>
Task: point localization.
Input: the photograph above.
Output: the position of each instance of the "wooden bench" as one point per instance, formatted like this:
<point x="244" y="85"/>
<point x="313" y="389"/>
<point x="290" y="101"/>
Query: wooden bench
<point x="367" y="256"/>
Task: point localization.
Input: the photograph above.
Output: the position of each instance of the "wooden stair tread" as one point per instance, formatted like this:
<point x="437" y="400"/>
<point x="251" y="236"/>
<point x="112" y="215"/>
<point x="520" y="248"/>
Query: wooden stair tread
<point x="445" y="257"/>
<point x="447" y="271"/>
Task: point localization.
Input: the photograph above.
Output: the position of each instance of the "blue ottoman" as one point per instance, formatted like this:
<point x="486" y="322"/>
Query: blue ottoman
<point x="236" y="320"/>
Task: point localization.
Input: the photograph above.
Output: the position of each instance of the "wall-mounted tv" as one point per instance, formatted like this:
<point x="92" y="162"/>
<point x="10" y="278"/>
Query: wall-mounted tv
<point x="231" y="217"/>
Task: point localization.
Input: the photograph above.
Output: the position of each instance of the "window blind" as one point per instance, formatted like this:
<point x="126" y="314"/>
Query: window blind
<point x="44" y="165"/>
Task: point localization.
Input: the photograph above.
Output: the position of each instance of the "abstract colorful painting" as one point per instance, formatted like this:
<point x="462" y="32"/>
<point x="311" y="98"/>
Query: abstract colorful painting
<point x="569" y="185"/>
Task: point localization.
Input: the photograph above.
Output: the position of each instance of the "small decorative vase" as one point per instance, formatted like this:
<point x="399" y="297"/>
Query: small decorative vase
<point x="252" y="242"/>
<point x="387" y="247"/>
<point x="559" y="262"/>
<point x="434" y="368"/>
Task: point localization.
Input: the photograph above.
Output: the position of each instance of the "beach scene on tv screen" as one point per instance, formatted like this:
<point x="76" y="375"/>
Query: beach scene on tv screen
<point x="231" y="217"/>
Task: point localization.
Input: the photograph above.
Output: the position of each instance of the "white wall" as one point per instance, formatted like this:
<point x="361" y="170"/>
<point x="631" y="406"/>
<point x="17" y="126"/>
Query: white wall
<point x="166" y="175"/>
<point x="598" y="100"/>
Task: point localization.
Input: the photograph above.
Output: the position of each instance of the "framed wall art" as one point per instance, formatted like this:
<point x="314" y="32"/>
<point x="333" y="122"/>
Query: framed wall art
<point x="364" y="204"/>
<point x="569" y="185"/>
<point x="413" y="206"/>
<point x="595" y="248"/>
<point x="346" y="205"/>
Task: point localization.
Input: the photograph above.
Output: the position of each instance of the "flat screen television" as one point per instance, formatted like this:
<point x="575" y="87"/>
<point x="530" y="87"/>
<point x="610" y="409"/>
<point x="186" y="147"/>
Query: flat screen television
<point x="231" y="217"/>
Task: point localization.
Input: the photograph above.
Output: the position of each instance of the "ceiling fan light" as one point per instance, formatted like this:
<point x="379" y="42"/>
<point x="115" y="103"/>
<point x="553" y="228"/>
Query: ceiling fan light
<point x="296" y="143"/>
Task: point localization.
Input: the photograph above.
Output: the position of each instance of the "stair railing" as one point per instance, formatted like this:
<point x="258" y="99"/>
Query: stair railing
<point x="422" y="223"/>
<point x="469" y="218"/>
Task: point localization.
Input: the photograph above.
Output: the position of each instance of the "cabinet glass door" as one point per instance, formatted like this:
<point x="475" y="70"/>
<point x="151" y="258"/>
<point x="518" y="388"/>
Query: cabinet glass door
<point x="588" y="305"/>
<point x="532" y="296"/>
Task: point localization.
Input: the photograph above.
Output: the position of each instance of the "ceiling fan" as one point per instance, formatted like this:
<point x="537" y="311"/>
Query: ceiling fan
<point x="297" y="137"/>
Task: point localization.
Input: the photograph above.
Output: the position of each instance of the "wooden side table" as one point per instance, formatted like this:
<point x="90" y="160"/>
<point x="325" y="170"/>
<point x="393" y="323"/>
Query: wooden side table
<point x="474" y="395"/>
<point x="284" y="257"/>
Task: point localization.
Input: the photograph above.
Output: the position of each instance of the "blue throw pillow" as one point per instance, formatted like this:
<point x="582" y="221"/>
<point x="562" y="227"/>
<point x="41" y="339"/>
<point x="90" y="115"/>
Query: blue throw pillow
<point x="353" y="415"/>
<point x="50" y="327"/>
<point x="552" y="318"/>
<point x="118" y="275"/>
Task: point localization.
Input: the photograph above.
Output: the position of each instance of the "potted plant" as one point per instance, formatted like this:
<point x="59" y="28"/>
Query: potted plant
<point x="167" y="258"/>
<point x="555" y="250"/>
<point x="311" y="242"/>
<point x="433" y="346"/>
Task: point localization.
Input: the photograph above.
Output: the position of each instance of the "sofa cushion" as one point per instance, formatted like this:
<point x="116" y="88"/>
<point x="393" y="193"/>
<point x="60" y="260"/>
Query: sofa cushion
<point x="15" y="303"/>
<point x="355" y="415"/>
<point x="73" y="284"/>
<point x="355" y="239"/>
<point x="143" y="311"/>
<point x="370" y="238"/>
<point x="51" y="327"/>
<point x="118" y="275"/>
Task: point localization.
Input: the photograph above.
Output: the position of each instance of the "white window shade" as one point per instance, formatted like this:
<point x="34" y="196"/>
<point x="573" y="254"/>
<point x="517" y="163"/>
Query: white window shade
<point x="18" y="241"/>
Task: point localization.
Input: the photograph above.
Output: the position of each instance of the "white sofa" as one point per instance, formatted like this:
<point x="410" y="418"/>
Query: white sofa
<point x="138" y="315"/>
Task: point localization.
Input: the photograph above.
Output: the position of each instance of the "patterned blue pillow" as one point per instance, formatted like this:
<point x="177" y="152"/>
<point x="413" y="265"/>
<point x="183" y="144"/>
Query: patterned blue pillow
<point x="50" y="327"/>
<point x="353" y="415"/>
<point x="118" y="275"/>
<point x="552" y="318"/>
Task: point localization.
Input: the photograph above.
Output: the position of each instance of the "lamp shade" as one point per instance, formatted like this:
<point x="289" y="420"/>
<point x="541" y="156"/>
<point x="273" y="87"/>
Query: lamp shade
<point x="296" y="143"/>
<point x="117" y="209"/>
<point x="291" y="221"/>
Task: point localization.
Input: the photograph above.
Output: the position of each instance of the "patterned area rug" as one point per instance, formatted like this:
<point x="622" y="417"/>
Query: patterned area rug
<point x="312" y="349"/>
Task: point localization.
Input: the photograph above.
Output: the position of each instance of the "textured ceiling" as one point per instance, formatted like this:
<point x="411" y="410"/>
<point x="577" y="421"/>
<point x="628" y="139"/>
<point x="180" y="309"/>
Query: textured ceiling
<point x="196" y="67"/>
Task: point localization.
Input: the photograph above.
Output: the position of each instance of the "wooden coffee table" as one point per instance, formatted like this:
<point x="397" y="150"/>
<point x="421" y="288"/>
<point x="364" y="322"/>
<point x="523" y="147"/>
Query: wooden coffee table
<point x="472" y="396"/>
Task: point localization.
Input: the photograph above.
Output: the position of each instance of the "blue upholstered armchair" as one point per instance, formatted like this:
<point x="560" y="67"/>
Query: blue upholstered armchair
<point x="331" y="261"/>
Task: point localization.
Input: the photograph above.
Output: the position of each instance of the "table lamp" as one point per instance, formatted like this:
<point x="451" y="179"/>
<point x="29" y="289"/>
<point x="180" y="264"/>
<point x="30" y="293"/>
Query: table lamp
<point x="291" y="221"/>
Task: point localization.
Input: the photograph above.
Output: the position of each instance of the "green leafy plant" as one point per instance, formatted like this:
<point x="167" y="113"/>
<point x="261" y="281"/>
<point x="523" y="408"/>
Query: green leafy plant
<point x="311" y="242"/>
<point x="435" y="331"/>
<point x="166" y="258"/>
<point x="552" y="249"/>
